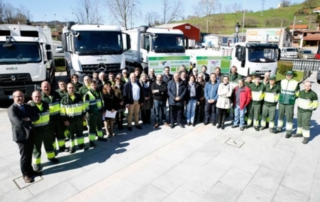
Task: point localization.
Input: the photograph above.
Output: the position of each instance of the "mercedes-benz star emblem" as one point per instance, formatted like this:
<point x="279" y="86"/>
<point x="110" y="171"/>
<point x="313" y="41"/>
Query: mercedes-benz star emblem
<point x="102" y="67"/>
<point x="13" y="78"/>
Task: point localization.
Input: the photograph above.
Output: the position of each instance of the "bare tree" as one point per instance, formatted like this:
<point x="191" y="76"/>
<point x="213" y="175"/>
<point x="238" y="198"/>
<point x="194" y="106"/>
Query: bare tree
<point x="205" y="8"/>
<point x="87" y="12"/>
<point x="123" y="11"/>
<point x="285" y="3"/>
<point x="171" y="10"/>
<point x="152" y="18"/>
<point x="236" y="7"/>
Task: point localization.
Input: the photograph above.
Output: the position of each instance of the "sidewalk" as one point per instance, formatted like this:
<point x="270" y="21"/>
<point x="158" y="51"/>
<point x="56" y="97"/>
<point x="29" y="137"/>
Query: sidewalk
<point x="193" y="164"/>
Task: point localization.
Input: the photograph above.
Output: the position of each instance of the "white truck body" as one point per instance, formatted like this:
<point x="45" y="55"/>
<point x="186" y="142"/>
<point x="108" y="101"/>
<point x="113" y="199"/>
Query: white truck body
<point x="90" y="48"/>
<point x="156" y="48"/>
<point x="26" y="58"/>
<point x="247" y="57"/>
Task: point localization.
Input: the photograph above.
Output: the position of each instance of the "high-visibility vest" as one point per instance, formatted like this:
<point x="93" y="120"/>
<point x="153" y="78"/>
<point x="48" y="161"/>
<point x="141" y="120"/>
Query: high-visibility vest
<point x="308" y="101"/>
<point x="44" y="115"/>
<point x="72" y="107"/>
<point x="257" y="92"/>
<point x="271" y="95"/>
<point x="54" y="103"/>
<point x="289" y="91"/>
<point x="93" y="100"/>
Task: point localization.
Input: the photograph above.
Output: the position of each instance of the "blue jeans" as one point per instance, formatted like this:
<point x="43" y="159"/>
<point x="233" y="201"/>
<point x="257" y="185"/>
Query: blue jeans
<point x="191" y="110"/>
<point x="239" y="116"/>
<point x="159" y="107"/>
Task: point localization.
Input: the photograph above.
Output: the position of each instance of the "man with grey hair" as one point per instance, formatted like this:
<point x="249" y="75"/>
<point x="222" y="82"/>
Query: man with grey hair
<point x="21" y="117"/>
<point x="266" y="78"/>
<point x="102" y="81"/>
<point x="176" y="92"/>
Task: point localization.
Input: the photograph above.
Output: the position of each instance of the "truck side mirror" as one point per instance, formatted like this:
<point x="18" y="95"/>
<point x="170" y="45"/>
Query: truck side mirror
<point x="187" y="42"/>
<point x="279" y="54"/>
<point x="48" y="47"/>
<point x="49" y="55"/>
<point x="243" y="62"/>
<point x="128" y="40"/>
<point x="64" y="42"/>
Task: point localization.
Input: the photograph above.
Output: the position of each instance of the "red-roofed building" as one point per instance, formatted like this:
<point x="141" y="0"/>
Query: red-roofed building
<point x="298" y="27"/>
<point x="316" y="10"/>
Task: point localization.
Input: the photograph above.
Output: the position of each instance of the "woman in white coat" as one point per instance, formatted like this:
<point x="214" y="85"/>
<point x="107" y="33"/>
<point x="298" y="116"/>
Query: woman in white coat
<point x="224" y="101"/>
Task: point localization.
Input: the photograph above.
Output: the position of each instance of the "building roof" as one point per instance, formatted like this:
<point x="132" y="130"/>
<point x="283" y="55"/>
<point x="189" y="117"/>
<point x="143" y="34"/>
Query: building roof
<point x="173" y="25"/>
<point x="299" y="26"/>
<point x="317" y="9"/>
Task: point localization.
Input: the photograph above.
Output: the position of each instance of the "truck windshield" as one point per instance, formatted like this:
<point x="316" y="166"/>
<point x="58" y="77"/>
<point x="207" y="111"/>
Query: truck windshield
<point x="98" y="42"/>
<point x="19" y="52"/>
<point x="168" y="43"/>
<point x="262" y="55"/>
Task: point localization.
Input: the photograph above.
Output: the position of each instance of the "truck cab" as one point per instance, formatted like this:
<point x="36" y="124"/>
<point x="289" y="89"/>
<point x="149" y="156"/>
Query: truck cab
<point x="91" y="48"/>
<point x="258" y="58"/>
<point x="156" y="48"/>
<point x="25" y="59"/>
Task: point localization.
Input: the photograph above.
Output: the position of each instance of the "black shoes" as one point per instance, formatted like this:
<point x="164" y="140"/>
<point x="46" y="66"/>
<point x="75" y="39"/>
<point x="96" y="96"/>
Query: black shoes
<point x="218" y="126"/>
<point x="139" y="127"/>
<point x="288" y="135"/>
<point x="92" y="144"/>
<point x="256" y="128"/>
<point x="222" y="127"/>
<point x="262" y="128"/>
<point x="181" y="126"/>
<point x="242" y="128"/>
<point x="234" y="126"/>
<point x="296" y="135"/>
<point x="305" y="140"/>
<point x="72" y="150"/>
<point x="194" y="124"/>
<point x="172" y="126"/>
<point x="54" y="160"/>
<point x="189" y="124"/>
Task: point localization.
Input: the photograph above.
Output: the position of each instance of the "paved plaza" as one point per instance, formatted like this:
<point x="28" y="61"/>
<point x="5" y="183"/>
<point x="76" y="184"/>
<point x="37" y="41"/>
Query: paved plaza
<point x="193" y="164"/>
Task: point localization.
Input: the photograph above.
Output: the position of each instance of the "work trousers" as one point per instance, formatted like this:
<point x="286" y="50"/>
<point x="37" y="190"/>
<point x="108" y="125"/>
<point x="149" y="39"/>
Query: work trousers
<point x="253" y="114"/>
<point x="146" y="115"/>
<point x="26" y="149"/>
<point x="285" y="110"/>
<point x="133" y="110"/>
<point x="119" y="118"/>
<point x="57" y="129"/>
<point x="211" y="111"/>
<point x="200" y="110"/>
<point x="43" y="135"/>
<point x="159" y="107"/>
<point x="175" y="114"/>
<point x="76" y="131"/>
<point x="268" y="113"/>
<point x="304" y="119"/>
<point x="95" y="126"/>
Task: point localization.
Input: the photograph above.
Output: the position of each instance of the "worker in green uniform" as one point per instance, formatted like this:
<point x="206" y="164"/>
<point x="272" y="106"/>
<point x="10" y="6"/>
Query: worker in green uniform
<point x="257" y="94"/>
<point x="307" y="102"/>
<point x="270" y="102"/>
<point x="82" y="91"/>
<point x="234" y="77"/>
<point x="75" y="82"/>
<point x="53" y="99"/>
<point x="72" y="112"/>
<point x="288" y="95"/>
<point x="94" y="107"/>
<point x="248" y="80"/>
<point x="62" y="88"/>
<point x="43" y="132"/>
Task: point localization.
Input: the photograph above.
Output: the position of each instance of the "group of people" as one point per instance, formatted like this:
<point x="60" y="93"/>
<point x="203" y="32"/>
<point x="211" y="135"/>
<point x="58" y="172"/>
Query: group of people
<point x="100" y="101"/>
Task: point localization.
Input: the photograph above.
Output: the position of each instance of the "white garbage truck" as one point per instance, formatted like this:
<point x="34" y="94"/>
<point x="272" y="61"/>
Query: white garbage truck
<point x="25" y="59"/>
<point x="90" y="48"/>
<point x="247" y="57"/>
<point x="156" y="48"/>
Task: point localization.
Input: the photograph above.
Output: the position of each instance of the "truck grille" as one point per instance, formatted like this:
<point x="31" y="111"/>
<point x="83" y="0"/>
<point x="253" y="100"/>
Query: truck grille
<point x="9" y="79"/>
<point x="88" y="69"/>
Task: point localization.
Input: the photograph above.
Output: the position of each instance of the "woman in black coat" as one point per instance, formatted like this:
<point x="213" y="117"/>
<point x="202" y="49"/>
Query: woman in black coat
<point x="111" y="104"/>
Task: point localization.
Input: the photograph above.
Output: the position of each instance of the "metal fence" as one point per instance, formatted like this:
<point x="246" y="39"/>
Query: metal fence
<point x="298" y="64"/>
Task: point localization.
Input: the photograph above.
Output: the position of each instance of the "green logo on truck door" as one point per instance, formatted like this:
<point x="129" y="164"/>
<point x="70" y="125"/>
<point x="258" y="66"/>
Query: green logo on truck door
<point x="12" y="68"/>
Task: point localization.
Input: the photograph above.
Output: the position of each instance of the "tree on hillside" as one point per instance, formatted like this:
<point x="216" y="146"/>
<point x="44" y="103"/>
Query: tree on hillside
<point x="171" y="10"/>
<point x="87" y="12"/>
<point x="310" y="3"/>
<point x="123" y="11"/>
<point x="285" y="3"/>
<point x="205" y="9"/>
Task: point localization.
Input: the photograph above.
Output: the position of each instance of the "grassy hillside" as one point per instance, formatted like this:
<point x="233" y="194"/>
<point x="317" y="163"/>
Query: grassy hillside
<point x="224" y="23"/>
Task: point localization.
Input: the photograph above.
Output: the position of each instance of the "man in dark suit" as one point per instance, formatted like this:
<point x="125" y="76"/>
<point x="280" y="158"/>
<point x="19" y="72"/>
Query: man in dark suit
<point x="21" y="117"/>
<point x="176" y="91"/>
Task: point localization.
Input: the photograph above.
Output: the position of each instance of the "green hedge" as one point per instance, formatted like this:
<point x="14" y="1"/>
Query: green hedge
<point x="283" y="67"/>
<point x="59" y="62"/>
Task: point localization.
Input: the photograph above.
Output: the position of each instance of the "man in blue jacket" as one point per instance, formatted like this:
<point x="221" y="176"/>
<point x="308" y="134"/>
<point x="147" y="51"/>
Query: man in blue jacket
<point x="176" y="92"/>
<point x="211" y="95"/>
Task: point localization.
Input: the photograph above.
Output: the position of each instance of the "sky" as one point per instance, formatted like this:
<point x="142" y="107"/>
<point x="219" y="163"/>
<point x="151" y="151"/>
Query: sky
<point x="61" y="10"/>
